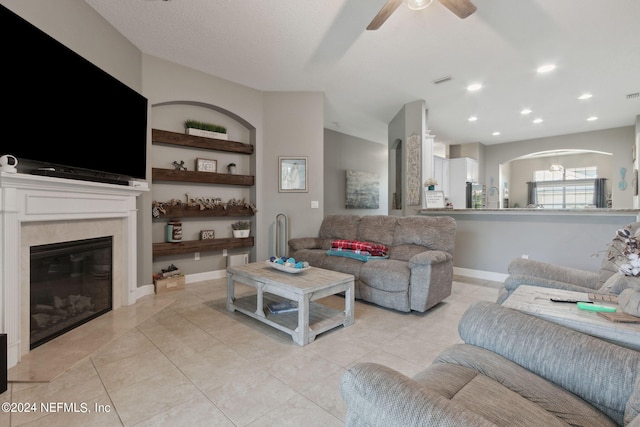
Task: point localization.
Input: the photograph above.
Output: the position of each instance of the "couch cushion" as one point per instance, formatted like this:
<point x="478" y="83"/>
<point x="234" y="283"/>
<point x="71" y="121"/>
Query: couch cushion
<point x="386" y="275"/>
<point x="523" y="384"/>
<point x="342" y="265"/>
<point x="435" y="233"/>
<point x="613" y="370"/>
<point x="632" y="409"/>
<point x="338" y="227"/>
<point x="405" y="252"/>
<point x="377" y="229"/>
<point x="537" y="404"/>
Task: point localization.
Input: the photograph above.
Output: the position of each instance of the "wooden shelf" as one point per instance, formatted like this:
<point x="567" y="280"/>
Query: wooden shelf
<point x="158" y="174"/>
<point x="191" y="141"/>
<point x="191" y="246"/>
<point x="196" y="212"/>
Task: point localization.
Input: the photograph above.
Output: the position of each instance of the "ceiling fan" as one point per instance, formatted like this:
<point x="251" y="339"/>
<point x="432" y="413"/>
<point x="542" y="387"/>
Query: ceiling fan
<point x="461" y="8"/>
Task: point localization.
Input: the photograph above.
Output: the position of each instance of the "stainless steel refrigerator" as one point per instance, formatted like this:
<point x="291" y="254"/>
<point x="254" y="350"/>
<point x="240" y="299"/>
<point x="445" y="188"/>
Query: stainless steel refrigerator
<point x="476" y="196"/>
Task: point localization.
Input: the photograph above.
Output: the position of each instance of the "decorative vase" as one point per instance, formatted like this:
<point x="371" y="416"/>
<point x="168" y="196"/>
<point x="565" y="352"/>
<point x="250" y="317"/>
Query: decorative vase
<point x="431" y="187"/>
<point x="231" y="170"/>
<point x="240" y="234"/>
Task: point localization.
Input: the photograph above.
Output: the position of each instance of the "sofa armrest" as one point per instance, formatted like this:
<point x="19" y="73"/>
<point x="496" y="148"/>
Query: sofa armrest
<point x="429" y="258"/>
<point x="543" y="270"/>
<point x="299" y="243"/>
<point x="599" y="372"/>
<point x="376" y="395"/>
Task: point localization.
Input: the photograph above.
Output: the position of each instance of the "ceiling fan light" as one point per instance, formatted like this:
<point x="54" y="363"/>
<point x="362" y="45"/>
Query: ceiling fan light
<point x="417" y="4"/>
<point x="546" y="68"/>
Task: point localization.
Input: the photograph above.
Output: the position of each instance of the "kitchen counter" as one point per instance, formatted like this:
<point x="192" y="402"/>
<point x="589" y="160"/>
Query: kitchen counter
<point x="487" y="240"/>
<point x="530" y="211"/>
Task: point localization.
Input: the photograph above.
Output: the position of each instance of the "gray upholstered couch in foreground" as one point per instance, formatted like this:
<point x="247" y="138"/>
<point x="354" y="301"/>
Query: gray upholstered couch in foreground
<point x="513" y="370"/>
<point x="418" y="272"/>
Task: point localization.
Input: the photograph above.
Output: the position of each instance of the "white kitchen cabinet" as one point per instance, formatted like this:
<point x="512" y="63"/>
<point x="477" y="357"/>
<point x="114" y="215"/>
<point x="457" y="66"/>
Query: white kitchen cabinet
<point x="441" y="174"/>
<point x="461" y="171"/>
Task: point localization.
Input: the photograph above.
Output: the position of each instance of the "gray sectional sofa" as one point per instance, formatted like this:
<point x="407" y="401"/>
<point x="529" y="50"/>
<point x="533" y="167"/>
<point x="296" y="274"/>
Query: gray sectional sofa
<point x="418" y="273"/>
<point x="512" y="370"/>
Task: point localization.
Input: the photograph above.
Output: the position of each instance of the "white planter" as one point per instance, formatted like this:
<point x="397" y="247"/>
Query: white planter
<point x="241" y="233"/>
<point x="206" y="133"/>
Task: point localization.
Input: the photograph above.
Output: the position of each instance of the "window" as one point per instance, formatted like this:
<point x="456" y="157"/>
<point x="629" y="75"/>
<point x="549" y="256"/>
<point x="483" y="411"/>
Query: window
<point x="567" y="188"/>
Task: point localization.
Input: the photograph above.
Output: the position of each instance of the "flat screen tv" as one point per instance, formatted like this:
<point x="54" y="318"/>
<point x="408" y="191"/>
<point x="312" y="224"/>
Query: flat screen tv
<point x="65" y="115"/>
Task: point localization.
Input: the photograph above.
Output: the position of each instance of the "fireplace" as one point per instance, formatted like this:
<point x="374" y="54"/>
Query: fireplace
<point x="36" y="211"/>
<point x="70" y="284"/>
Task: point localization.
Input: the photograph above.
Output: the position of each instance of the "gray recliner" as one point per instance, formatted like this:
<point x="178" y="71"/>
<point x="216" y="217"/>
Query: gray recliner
<point x="607" y="280"/>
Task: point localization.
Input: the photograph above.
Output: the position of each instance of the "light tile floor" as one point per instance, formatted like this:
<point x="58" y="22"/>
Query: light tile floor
<point x="194" y="363"/>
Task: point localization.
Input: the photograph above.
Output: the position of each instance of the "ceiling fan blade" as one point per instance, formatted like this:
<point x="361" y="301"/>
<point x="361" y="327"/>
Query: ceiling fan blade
<point x="461" y="8"/>
<point x="386" y="11"/>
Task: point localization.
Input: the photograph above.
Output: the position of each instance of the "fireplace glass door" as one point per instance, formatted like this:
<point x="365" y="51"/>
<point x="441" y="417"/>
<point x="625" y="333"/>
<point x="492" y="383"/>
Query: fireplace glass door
<point x="71" y="283"/>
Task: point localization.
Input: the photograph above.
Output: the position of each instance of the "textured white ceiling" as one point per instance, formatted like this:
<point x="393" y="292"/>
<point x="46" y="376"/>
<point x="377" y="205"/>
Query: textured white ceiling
<point x="367" y="76"/>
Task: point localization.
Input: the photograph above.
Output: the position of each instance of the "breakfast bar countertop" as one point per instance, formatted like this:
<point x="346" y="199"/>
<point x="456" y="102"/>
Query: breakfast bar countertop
<point x="530" y="211"/>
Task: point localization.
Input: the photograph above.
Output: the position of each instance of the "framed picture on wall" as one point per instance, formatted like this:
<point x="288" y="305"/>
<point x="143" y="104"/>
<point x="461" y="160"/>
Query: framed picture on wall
<point x="294" y="175"/>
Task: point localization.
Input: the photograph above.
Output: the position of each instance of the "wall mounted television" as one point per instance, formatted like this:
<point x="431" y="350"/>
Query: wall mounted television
<point x="63" y="115"/>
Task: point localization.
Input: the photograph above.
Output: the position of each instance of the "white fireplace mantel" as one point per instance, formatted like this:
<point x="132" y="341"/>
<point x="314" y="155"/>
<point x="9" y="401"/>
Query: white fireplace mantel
<point x="37" y="199"/>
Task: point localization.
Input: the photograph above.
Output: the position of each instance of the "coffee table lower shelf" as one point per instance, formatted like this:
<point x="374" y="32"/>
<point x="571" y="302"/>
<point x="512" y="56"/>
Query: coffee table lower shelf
<point x="321" y="317"/>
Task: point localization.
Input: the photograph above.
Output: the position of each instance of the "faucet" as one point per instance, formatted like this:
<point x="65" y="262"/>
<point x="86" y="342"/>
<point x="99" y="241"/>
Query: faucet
<point x="497" y="202"/>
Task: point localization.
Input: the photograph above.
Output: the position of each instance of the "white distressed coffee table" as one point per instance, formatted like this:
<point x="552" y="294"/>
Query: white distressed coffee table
<point x="535" y="300"/>
<point x="311" y="318"/>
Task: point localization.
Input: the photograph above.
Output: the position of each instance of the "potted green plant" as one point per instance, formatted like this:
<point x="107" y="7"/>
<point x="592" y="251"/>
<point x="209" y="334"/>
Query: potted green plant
<point x="208" y="130"/>
<point x="241" y="229"/>
<point x="231" y="168"/>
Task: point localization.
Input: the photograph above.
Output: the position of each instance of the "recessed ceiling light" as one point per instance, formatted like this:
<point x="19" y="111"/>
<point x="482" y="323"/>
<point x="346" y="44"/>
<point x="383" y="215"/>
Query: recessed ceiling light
<point x="474" y="87"/>
<point x="525" y="112"/>
<point x="473" y="118"/>
<point x="546" y="68"/>
<point x="585" y="96"/>
<point x="495" y="133"/>
<point x="592" y="118"/>
<point x="536" y="121"/>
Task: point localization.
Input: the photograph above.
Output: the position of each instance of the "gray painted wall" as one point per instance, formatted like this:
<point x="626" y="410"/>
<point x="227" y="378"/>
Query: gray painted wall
<point x="344" y="152"/>
<point x="293" y="126"/>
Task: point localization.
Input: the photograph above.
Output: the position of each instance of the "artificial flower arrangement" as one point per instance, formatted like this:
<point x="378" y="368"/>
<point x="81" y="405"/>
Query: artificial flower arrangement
<point x="629" y="256"/>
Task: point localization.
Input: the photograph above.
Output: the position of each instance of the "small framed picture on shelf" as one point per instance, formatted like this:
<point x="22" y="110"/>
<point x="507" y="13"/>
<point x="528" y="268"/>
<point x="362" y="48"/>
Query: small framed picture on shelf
<point x="206" y="165"/>
<point x="434" y="199"/>
<point x="293" y="175"/>
<point x="207" y="234"/>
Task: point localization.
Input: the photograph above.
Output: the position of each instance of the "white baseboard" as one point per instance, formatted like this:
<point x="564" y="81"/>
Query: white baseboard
<point x="143" y="291"/>
<point x="479" y="274"/>
<point x="207" y="275"/>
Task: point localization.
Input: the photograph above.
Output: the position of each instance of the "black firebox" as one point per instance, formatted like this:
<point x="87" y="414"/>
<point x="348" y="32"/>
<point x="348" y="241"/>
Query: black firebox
<point x="71" y="283"/>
